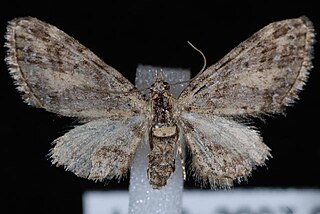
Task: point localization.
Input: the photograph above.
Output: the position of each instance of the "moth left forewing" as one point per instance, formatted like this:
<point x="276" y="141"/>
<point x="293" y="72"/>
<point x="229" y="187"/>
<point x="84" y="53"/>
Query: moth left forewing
<point x="222" y="150"/>
<point x="260" y="76"/>
<point x="54" y="71"/>
<point x="101" y="149"/>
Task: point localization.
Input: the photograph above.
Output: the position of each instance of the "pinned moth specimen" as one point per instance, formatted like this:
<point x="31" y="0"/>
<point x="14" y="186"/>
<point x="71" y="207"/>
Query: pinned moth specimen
<point x="261" y="76"/>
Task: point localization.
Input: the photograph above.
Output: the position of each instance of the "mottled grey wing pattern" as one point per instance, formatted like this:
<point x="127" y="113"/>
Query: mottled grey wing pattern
<point x="56" y="72"/>
<point x="260" y="76"/>
<point x="100" y="149"/>
<point x="222" y="150"/>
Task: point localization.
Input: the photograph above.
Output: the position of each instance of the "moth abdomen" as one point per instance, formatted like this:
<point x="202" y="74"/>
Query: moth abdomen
<point x="161" y="160"/>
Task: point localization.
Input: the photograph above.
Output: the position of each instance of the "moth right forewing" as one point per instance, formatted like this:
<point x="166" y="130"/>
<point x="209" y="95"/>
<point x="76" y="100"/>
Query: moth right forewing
<point x="54" y="71"/>
<point x="260" y="76"/>
<point x="101" y="149"/>
<point x="222" y="150"/>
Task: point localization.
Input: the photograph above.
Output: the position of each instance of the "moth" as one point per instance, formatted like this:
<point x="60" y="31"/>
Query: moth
<point x="261" y="76"/>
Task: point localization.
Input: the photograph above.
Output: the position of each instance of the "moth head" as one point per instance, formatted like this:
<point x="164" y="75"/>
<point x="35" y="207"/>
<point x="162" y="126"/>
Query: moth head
<point x="160" y="86"/>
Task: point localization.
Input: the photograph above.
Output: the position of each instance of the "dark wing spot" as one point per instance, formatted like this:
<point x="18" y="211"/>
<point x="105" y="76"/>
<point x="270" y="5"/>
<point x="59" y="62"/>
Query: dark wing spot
<point x="280" y="32"/>
<point x="200" y="89"/>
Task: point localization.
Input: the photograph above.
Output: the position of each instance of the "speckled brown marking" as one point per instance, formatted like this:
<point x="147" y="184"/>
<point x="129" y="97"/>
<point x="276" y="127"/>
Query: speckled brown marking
<point x="281" y="31"/>
<point x="221" y="154"/>
<point x="99" y="164"/>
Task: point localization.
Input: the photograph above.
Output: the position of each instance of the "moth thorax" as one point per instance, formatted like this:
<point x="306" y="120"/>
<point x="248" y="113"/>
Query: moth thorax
<point x="162" y="124"/>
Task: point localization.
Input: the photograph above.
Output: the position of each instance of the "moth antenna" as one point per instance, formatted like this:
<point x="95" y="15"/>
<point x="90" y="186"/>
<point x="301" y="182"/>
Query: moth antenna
<point x="203" y="57"/>
<point x="202" y="69"/>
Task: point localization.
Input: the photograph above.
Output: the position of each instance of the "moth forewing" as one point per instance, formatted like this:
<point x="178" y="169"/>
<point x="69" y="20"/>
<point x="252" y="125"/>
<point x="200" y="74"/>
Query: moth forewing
<point x="55" y="72"/>
<point x="260" y="76"/>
